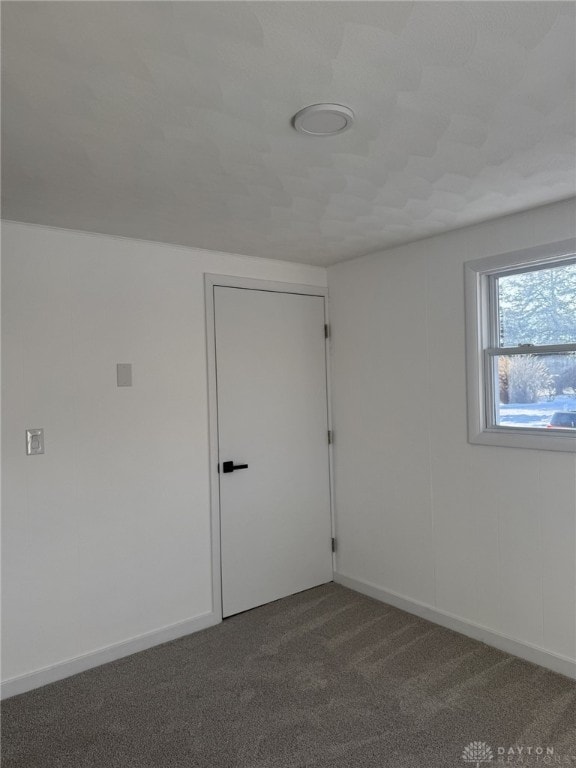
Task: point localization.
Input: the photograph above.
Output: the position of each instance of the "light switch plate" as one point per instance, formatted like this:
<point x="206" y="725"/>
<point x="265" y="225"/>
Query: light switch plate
<point x="34" y="442"/>
<point x="124" y="374"/>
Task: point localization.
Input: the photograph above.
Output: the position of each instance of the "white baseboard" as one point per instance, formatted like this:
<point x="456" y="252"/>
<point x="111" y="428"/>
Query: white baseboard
<point x="557" y="663"/>
<point x="62" y="669"/>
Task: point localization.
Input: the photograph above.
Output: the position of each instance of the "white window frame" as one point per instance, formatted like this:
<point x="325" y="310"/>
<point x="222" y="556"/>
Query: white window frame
<point x="481" y="327"/>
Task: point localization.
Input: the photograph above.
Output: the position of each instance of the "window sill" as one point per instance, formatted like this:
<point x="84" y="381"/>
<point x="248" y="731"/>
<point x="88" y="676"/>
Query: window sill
<point x="526" y="438"/>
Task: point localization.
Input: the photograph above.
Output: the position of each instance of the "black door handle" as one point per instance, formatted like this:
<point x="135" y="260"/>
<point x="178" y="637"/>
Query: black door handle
<point x="229" y="466"/>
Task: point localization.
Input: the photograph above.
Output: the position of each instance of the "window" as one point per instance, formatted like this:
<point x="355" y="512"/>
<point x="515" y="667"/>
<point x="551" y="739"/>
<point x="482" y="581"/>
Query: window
<point x="521" y="348"/>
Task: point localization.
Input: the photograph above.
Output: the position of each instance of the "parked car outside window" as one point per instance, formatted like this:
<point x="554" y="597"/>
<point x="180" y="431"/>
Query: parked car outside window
<point x="563" y="420"/>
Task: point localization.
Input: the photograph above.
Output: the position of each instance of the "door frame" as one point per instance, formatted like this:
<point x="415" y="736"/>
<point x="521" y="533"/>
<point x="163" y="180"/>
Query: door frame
<point x="211" y="281"/>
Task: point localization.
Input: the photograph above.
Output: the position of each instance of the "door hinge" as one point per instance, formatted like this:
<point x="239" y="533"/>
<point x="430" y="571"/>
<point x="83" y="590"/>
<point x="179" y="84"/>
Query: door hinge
<point x="333" y="545"/>
<point x="326" y="331"/>
<point x="330" y="437"/>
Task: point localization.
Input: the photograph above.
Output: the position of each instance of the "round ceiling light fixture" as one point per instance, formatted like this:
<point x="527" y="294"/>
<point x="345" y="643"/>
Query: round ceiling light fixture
<point x="323" y="119"/>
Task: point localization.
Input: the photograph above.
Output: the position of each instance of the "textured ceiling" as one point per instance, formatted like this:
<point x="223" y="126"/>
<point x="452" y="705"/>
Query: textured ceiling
<point x="170" y="121"/>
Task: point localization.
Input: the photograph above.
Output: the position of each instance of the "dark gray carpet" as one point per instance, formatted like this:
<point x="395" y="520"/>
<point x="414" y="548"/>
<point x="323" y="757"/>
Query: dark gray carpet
<point x="324" y="678"/>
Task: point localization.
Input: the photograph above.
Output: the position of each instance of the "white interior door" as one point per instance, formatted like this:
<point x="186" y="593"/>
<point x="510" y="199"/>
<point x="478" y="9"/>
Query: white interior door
<point x="272" y="417"/>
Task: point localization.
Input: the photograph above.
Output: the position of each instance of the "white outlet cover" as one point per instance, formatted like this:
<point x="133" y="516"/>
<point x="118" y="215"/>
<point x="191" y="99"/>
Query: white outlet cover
<point x="124" y="374"/>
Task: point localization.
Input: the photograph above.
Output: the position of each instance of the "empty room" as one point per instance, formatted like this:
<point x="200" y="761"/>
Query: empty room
<point x="288" y="384"/>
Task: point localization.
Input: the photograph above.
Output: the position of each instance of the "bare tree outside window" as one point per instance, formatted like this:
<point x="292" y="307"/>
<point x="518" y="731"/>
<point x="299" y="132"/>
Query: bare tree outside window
<point x="536" y="308"/>
<point x="521" y="348"/>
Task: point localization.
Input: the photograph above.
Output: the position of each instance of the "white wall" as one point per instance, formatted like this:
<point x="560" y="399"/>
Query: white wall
<point x="484" y="534"/>
<point x="106" y="536"/>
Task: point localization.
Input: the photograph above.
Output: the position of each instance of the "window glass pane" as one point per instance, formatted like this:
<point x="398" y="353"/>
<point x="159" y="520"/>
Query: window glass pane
<point x="538" y="307"/>
<point x="536" y="391"/>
